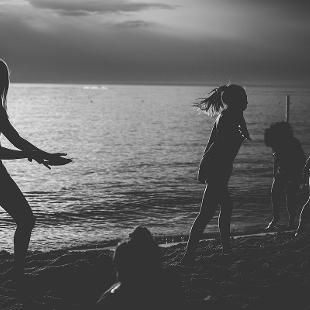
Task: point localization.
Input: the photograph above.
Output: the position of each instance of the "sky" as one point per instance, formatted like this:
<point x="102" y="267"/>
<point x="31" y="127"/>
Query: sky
<point x="156" y="41"/>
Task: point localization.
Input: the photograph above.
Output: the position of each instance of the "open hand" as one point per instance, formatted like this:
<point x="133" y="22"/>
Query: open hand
<point x="57" y="161"/>
<point x="49" y="159"/>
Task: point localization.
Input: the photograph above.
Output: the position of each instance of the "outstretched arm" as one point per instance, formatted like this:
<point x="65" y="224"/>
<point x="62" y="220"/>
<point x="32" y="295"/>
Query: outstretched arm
<point x="11" y="154"/>
<point x="30" y="150"/>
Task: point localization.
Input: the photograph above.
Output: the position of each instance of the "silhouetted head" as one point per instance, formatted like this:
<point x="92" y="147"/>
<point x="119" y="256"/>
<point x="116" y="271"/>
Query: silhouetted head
<point x="278" y="134"/>
<point x="4" y="82"/>
<point x="232" y="97"/>
<point x="235" y="97"/>
<point x="141" y="234"/>
<point x="137" y="258"/>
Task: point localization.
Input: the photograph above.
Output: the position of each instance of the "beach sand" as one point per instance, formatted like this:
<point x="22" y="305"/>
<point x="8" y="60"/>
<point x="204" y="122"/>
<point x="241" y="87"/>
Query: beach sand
<point x="265" y="271"/>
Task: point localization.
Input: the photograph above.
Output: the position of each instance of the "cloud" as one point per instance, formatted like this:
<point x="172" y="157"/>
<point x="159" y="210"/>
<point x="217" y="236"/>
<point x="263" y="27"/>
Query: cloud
<point x="82" y="7"/>
<point x="134" y="24"/>
<point x="287" y="8"/>
<point x="285" y="4"/>
<point x="12" y="2"/>
<point x="238" y="42"/>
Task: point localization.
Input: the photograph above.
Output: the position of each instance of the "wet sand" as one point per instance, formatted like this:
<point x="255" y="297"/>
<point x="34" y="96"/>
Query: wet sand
<point x="264" y="271"/>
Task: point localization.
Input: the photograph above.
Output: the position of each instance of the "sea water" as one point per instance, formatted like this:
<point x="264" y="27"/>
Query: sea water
<point x="135" y="151"/>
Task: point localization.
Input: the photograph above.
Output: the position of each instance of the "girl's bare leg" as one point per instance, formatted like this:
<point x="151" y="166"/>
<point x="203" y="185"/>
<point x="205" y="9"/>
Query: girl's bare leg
<point x="207" y="210"/>
<point x="21" y="242"/>
<point x="276" y="194"/>
<point x="225" y="220"/>
<point x="291" y="204"/>
<point x="14" y="202"/>
<point x="304" y="217"/>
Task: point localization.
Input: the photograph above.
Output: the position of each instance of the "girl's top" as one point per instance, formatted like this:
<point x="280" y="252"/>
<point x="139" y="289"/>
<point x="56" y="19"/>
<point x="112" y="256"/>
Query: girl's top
<point x="228" y="133"/>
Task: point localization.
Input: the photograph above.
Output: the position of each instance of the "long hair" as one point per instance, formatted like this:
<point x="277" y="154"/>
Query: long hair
<point x="4" y="83"/>
<point x="212" y="104"/>
<point x="220" y="97"/>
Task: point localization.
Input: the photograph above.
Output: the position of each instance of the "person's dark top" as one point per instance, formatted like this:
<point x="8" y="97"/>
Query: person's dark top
<point x="228" y="133"/>
<point x="289" y="159"/>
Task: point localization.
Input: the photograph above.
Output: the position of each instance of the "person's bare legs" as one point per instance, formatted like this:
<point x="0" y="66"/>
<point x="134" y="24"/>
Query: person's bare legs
<point x="277" y="191"/>
<point x="21" y="242"/>
<point x="14" y="202"/>
<point x="208" y="206"/>
<point x="291" y="203"/>
<point x="304" y="218"/>
<point x="225" y="220"/>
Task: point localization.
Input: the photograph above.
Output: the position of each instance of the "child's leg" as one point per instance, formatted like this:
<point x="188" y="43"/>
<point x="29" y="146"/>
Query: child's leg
<point x="291" y="202"/>
<point x="276" y="195"/>
<point x="304" y="215"/>
<point x="208" y="206"/>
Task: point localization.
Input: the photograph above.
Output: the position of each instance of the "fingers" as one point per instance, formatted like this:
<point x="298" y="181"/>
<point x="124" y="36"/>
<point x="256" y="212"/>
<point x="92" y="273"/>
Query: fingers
<point x="58" y="161"/>
<point x="50" y="159"/>
<point x="46" y="165"/>
<point x="59" y="154"/>
<point x="35" y="155"/>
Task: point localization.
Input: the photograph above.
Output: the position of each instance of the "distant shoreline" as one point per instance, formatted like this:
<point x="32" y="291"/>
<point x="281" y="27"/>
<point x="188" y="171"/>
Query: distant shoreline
<point x="198" y="84"/>
<point x="168" y="240"/>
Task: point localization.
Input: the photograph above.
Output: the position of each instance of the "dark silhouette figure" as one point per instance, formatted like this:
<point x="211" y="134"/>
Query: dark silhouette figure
<point x="305" y="212"/>
<point x="142" y="282"/>
<point x="228" y="133"/>
<point x="12" y="199"/>
<point x="289" y="160"/>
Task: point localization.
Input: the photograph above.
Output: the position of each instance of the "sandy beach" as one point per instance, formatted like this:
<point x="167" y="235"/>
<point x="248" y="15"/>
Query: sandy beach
<point x="264" y="271"/>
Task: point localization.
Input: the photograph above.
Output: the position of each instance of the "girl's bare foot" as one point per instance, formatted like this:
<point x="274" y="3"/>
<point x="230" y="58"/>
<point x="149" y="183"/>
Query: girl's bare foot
<point x="299" y="232"/>
<point x="273" y="224"/>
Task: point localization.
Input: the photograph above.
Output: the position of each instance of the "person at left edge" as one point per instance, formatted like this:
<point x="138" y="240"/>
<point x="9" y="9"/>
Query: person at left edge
<point x="12" y="199"/>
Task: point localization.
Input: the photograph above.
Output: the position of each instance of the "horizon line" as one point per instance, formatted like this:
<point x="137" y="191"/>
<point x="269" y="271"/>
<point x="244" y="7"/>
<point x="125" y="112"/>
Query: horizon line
<point x="173" y="83"/>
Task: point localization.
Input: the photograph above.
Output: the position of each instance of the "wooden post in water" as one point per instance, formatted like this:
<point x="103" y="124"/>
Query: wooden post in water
<point x="288" y="108"/>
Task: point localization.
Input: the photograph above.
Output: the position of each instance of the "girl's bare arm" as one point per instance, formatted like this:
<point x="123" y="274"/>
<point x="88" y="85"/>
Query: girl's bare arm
<point x="32" y="152"/>
<point x="6" y="153"/>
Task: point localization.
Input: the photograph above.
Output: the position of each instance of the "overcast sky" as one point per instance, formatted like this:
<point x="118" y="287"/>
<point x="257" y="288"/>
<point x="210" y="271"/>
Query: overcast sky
<point x="187" y="41"/>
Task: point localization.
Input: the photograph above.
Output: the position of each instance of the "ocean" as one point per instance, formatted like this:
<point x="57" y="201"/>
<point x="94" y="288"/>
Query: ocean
<point x="135" y="151"/>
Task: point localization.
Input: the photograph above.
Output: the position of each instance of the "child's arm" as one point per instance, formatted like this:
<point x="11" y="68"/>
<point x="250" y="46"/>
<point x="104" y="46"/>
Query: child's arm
<point x="275" y="164"/>
<point x="307" y="167"/>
